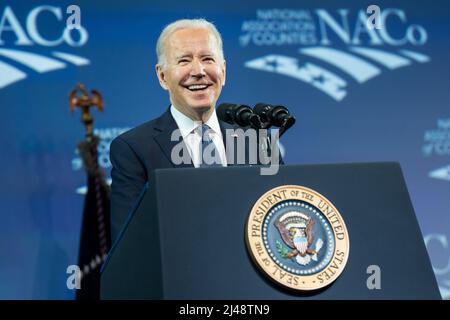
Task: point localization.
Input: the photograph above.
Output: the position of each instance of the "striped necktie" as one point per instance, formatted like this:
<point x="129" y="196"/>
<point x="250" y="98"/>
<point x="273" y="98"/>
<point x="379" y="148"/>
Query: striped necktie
<point x="208" y="152"/>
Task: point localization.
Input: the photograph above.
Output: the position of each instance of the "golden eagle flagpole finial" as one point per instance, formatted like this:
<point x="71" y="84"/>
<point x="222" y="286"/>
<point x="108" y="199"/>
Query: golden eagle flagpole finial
<point x="79" y="97"/>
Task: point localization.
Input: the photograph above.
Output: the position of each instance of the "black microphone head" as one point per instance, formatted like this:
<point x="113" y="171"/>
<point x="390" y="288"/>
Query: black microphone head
<point x="279" y="114"/>
<point x="263" y="110"/>
<point x="225" y="112"/>
<point x="242" y="115"/>
<point x="239" y="114"/>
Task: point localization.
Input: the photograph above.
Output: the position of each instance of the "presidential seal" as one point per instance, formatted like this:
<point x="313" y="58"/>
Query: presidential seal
<point x="297" y="238"/>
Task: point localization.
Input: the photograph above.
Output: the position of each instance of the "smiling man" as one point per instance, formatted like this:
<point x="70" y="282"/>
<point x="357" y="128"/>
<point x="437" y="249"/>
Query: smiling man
<point x="191" y="67"/>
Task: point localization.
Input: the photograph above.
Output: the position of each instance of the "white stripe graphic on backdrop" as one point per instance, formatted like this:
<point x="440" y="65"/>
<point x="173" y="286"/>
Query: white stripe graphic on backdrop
<point x="76" y="60"/>
<point x="39" y="63"/>
<point x="441" y="173"/>
<point x="356" y="67"/>
<point x="387" y="59"/>
<point x="419" y="57"/>
<point x="329" y="82"/>
<point x="34" y="61"/>
<point x="9" y="75"/>
<point x="320" y="78"/>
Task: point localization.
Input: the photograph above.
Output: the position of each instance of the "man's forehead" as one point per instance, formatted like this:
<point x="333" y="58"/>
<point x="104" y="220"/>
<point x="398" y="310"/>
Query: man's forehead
<point x="192" y="32"/>
<point x="192" y="39"/>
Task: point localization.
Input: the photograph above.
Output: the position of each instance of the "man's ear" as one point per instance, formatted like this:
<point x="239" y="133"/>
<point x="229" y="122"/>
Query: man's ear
<point x="161" y="77"/>
<point x="224" y="70"/>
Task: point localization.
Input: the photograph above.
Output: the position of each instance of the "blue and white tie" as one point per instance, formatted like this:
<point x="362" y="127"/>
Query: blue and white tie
<point x="208" y="154"/>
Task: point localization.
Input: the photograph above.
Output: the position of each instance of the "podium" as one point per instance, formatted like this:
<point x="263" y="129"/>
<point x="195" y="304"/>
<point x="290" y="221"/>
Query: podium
<point x="185" y="238"/>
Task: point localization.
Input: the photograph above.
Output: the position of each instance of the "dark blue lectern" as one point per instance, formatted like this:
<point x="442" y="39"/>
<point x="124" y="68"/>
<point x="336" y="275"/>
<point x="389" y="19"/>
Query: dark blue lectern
<point x="185" y="238"/>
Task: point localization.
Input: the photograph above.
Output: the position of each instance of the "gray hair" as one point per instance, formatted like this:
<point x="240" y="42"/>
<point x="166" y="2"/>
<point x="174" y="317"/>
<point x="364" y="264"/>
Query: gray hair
<point x="185" y="24"/>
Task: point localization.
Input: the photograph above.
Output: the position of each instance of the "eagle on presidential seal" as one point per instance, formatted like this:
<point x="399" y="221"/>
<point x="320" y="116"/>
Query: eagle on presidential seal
<point x="296" y="230"/>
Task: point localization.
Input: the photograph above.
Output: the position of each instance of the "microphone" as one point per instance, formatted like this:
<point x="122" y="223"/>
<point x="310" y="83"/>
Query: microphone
<point x="278" y="116"/>
<point x="239" y="114"/>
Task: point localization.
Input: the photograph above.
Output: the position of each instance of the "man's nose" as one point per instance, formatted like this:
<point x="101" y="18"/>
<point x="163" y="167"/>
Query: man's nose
<point x="198" y="69"/>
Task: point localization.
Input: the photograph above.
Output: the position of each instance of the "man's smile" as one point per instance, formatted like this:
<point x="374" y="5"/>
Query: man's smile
<point x="197" y="87"/>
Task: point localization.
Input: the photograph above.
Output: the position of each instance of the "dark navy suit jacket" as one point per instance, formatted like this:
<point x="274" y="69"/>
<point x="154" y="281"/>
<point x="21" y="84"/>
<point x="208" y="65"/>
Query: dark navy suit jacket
<point x="134" y="154"/>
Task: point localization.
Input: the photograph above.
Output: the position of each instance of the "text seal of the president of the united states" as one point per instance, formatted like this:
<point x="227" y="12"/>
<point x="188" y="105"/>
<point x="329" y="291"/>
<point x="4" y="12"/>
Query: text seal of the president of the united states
<point x="297" y="238"/>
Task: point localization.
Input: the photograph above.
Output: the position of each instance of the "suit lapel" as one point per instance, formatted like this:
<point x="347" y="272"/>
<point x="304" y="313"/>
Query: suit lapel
<point x="167" y="125"/>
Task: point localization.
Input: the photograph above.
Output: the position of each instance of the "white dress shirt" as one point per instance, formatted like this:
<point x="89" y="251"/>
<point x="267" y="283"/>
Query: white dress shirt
<point x="192" y="138"/>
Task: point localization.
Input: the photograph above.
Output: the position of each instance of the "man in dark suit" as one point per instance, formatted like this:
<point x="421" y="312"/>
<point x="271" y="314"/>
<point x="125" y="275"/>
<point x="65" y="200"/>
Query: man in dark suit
<point x="191" y="67"/>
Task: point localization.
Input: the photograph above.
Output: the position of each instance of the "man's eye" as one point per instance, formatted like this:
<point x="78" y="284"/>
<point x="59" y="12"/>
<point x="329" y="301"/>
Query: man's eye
<point x="183" y="61"/>
<point x="208" y="59"/>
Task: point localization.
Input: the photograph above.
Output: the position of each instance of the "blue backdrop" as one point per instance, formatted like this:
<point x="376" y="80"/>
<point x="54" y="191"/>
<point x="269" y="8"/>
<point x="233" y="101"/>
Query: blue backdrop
<point x="358" y="94"/>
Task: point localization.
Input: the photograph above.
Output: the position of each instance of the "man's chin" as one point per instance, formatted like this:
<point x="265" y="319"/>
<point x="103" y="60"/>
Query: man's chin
<point x="201" y="107"/>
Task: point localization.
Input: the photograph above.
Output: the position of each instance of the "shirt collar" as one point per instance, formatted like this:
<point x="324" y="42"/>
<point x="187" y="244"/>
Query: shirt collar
<point x="187" y="125"/>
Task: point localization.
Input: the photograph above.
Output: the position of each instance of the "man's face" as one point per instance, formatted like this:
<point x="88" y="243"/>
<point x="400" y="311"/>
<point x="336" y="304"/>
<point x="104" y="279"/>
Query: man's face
<point x="194" y="74"/>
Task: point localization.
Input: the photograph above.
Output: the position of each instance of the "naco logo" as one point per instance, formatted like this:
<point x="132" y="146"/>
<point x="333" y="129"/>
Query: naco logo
<point x="437" y="143"/>
<point x="317" y="32"/>
<point x="28" y="35"/>
<point x="106" y="136"/>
